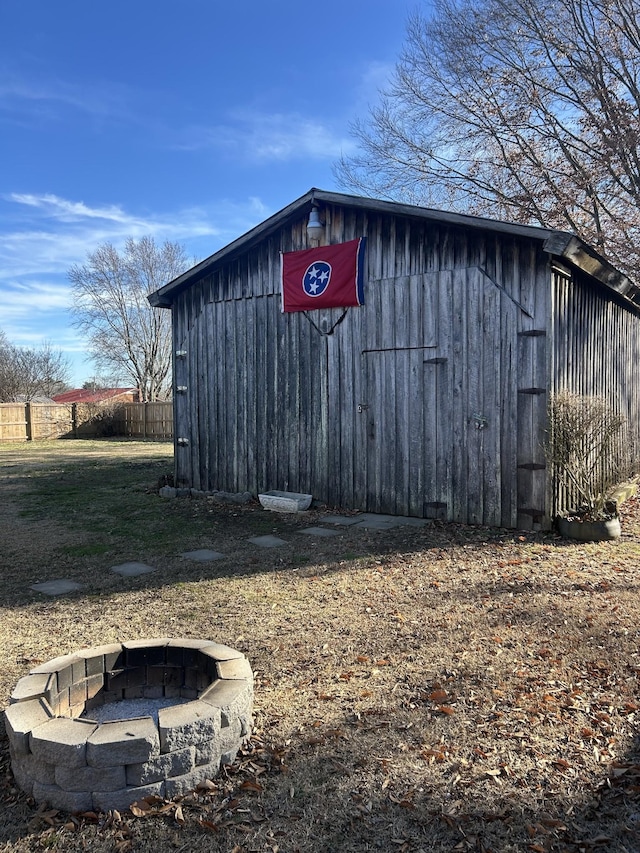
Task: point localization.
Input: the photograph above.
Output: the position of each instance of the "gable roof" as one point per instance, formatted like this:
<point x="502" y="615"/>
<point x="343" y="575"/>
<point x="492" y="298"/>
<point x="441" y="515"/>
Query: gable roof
<point x="84" y="395"/>
<point x="560" y="244"/>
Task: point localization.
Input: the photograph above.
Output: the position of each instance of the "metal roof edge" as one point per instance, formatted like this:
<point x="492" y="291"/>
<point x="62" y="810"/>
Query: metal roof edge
<point x="585" y="258"/>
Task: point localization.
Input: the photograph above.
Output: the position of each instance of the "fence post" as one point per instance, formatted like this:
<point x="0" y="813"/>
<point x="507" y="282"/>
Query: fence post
<point x="27" y="421"/>
<point x="144" y="420"/>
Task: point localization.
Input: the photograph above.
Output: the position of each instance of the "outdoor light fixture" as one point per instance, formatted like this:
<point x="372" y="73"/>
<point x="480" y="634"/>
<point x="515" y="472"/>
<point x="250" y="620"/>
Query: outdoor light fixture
<point x="315" y="227"/>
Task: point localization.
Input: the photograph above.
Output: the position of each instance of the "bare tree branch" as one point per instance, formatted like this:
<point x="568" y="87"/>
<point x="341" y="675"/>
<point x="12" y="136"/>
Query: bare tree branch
<point x="28" y="372"/>
<point x="127" y="337"/>
<point x="527" y="110"/>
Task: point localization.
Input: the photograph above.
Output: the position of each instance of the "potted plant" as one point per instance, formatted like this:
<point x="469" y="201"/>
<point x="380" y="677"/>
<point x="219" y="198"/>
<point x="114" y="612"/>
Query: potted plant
<point x="584" y="450"/>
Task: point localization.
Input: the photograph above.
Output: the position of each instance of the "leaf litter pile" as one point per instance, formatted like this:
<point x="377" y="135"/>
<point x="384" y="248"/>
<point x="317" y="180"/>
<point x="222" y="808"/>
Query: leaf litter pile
<point x="417" y="689"/>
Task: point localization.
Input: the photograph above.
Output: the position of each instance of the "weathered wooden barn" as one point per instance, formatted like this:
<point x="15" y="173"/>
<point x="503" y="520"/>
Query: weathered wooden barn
<point x="429" y="400"/>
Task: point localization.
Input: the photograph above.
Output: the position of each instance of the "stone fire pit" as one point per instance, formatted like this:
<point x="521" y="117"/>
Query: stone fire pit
<point x="66" y="759"/>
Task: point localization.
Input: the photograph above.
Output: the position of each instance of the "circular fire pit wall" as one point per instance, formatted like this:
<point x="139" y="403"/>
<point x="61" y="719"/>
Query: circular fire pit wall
<point x="63" y="758"/>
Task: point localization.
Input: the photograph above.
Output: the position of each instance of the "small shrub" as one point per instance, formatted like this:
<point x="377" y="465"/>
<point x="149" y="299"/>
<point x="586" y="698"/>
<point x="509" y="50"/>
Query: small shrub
<point x="585" y="451"/>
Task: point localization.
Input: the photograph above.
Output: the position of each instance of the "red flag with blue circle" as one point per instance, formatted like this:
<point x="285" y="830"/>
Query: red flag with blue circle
<point x="326" y="277"/>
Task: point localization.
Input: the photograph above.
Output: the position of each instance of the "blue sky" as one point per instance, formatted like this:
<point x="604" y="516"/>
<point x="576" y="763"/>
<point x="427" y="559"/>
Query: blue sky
<point x="188" y="121"/>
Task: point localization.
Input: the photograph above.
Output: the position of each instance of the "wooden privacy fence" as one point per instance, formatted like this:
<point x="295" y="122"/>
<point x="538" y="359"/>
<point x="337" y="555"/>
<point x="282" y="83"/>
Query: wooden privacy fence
<point x="42" y="421"/>
<point x="145" y="420"/>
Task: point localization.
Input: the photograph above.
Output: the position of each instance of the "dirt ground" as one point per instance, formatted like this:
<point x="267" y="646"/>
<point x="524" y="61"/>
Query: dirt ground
<point x="445" y="688"/>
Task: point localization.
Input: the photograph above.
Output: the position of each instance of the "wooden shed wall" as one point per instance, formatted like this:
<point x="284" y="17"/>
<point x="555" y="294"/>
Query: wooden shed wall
<point x="417" y="403"/>
<point x="596" y="351"/>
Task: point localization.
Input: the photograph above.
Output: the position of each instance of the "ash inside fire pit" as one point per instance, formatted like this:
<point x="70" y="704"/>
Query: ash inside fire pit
<point x="188" y="708"/>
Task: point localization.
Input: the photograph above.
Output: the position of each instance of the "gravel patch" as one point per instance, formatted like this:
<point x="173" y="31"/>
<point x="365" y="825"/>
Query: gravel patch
<point x="128" y="709"/>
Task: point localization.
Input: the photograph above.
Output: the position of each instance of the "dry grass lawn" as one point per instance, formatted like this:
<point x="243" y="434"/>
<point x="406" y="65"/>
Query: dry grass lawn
<point x="446" y="688"/>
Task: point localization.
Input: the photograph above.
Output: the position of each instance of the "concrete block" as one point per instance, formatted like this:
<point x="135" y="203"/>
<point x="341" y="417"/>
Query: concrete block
<point x="230" y="736"/>
<point x="218" y="651"/>
<point x="235" y="669"/>
<point x="78" y="693"/>
<point x="63" y="666"/>
<point x="176" y="763"/>
<point x="95" y="685"/>
<point x="229" y="757"/>
<point x="23" y="777"/>
<point x="171" y="676"/>
<point x="21" y="719"/>
<point x="209" y="752"/>
<point x="116" y="681"/>
<point x="60" y="703"/>
<point x="32" y="686"/>
<point x="189" y="693"/>
<point x="62" y="741"/>
<point x="68" y="801"/>
<point x="185" y="725"/>
<point x="36" y="771"/>
<point x="145" y="652"/>
<point x="101" y="658"/>
<point x="89" y="778"/>
<point x="123" y="799"/>
<point x="181" y="784"/>
<point x="123" y="742"/>
<point x="234" y="698"/>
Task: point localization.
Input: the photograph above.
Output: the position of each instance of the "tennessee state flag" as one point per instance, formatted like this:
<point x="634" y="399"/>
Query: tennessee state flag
<point x="326" y="277"/>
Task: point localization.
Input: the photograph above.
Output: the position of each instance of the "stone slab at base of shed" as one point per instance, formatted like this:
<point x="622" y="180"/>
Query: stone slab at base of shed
<point x="65" y="759"/>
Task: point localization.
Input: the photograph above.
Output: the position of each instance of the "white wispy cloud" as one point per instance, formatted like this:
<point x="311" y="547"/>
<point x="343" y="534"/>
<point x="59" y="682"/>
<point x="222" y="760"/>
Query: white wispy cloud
<point x="50" y="234"/>
<point x="31" y="100"/>
<point x="260" y="137"/>
<point x="53" y="233"/>
<point x="36" y="296"/>
<point x="43" y="235"/>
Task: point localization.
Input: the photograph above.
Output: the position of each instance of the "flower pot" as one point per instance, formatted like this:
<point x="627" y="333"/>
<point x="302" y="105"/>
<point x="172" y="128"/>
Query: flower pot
<point x="589" y="531"/>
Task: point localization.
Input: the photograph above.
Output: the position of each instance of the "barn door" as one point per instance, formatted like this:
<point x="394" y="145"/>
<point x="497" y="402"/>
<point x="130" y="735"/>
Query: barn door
<point x="405" y="457"/>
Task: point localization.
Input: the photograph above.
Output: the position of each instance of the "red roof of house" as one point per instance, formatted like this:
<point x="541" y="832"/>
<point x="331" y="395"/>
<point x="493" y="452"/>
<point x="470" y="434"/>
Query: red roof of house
<point x="84" y="395"/>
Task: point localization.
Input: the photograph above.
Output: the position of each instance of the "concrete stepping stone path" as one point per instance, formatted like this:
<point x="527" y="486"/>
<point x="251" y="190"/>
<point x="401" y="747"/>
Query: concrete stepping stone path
<point x="268" y="541"/>
<point x="132" y="570"/>
<point x="319" y="531"/>
<point x="202" y="555"/>
<point x="56" y="587"/>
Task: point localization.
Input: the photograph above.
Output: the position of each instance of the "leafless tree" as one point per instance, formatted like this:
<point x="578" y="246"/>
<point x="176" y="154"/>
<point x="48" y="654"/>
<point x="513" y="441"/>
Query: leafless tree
<point x="527" y="110"/>
<point x="127" y="337"/>
<point x="28" y="372"/>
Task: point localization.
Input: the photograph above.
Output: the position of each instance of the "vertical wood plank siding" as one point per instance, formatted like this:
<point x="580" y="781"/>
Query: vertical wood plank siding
<point x="596" y="351"/>
<point x="414" y="403"/>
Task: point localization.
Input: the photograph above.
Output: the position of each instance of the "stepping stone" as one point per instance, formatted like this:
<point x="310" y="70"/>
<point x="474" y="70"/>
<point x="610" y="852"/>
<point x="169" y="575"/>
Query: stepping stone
<point x="267" y="541"/>
<point x="377" y="524"/>
<point x="376" y="516"/>
<point x="344" y="520"/>
<point x="319" y="531"/>
<point x="59" y="587"/>
<point x="131" y="570"/>
<point x="202" y="555"/>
